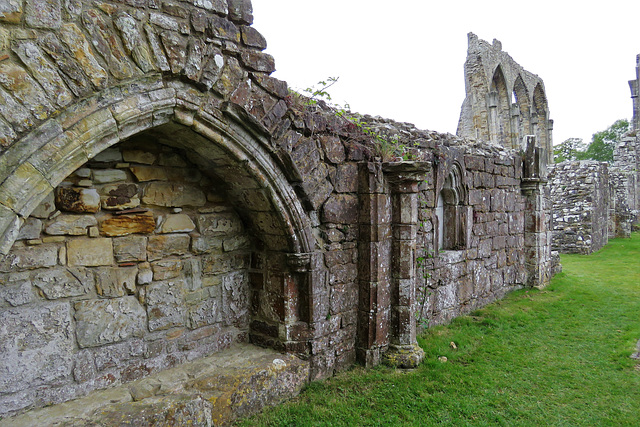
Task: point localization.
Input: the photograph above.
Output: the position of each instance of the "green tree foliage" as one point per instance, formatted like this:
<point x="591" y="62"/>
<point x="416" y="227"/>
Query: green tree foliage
<point x="570" y="149"/>
<point x="603" y="142"/>
<point x="600" y="148"/>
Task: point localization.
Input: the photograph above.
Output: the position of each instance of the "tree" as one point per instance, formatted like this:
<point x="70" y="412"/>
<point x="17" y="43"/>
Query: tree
<point x="603" y="142"/>
<point x="570" y="149"/>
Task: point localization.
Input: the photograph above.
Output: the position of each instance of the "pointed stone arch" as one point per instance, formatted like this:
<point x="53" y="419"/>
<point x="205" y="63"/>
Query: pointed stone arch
<point x="540" y="119"/>
<point x="522" y="122"/>
<point x="499" y="103"/>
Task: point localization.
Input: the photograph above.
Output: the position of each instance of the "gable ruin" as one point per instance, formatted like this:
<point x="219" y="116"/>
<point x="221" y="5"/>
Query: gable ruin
<point x="162" y="199"/>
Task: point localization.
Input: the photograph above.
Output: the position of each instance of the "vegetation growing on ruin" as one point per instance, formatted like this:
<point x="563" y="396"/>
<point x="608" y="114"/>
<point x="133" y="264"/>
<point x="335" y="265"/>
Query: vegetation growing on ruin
<point x="560" y="356"/>
<point x="356" y="128"/>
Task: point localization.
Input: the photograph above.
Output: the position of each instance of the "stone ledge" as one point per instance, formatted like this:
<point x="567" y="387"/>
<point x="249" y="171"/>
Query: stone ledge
<point x="213" y="391"/>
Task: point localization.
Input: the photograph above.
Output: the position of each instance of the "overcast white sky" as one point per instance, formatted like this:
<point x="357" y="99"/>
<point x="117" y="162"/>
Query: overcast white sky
<point x="404" y="59"/>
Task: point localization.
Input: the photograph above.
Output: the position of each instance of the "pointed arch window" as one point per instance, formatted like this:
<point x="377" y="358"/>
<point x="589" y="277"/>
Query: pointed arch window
<point x="452" y="212"/>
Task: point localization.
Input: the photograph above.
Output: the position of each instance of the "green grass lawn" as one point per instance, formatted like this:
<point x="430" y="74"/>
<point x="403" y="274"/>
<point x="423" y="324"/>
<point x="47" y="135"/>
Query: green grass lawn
<point x="558" y="356"/>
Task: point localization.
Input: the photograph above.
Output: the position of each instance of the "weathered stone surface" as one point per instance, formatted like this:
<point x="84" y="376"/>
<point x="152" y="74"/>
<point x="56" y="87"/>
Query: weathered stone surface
<point x="100" y="322"/>
<point x="149" y="173"/>
<point x="70" y="225"/>
<point x="90" y="252"/>
<point x="36" y="346"/>
<point x="139" y="156"/>
<point x="43" y="71"/>
<point x="167" y="245"/>
<point x="113" y="282"/>
<point x="17" y="289"/>
<point x="106" y="176"/>
<point x="30" y="257"/>
<point x="128" y="224"/>
<point x="180" y="223"/>
<point x="165" y="305"/>
<point x="217" y="224"/>
<point x="173" y="194"/>
<point x="63" y="283"/>
<point x="11" y="11"/>
<point x="341" y="209"/>
<point x="46" y="207"/>
<point x="79" y="200"/>
<point x="78" y="45"/>
<point x="18" y="81"/>
<point x="134" y="42"/>
<point x="31" y="229"/>
<point x="241" y="11"/>
<point x="130" y="248"/>
<point x="166" y="269"/>
<point x="204" y="313"/>
<point x="120" y="197"/>
<point x="43" y="13"/>
<point x="333" y="149"/>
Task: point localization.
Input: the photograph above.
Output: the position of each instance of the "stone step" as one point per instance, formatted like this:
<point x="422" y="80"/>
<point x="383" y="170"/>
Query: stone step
<point x="213" y="391"/>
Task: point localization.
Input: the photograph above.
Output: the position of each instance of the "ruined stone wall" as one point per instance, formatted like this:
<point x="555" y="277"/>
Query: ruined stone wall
<point x="491" y="261"/>
<point x="257" y="216"/>
<point x="504" y="102"/>
<point x="625" y="178"/>
<point x="581" y="201"/>
<point x="133" y="264"/>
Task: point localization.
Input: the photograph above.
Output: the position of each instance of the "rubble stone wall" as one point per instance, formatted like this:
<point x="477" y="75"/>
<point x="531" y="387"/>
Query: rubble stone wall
<point x="581" y="203"/>
<point x="202" y="204"/>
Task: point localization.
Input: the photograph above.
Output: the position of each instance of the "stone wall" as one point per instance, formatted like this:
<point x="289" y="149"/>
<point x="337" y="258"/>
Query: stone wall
<point x="133" y="264"/>
<point x="202" y="204"/>
<point x="581" y="204"/>
<point x="504" y="102"/>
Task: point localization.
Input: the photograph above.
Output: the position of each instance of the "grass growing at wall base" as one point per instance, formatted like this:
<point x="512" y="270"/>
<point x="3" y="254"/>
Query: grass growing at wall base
<point x="558" y="356"/>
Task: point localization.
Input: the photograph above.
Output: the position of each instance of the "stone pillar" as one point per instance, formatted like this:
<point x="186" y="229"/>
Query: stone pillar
<point x="374" y="253"/>
<point x="634" y="85"/>
<point x="494" y="126"/>
<point x="404" y="179"/>
<point x="537" y="225"/>
<point x="515" y="126"/>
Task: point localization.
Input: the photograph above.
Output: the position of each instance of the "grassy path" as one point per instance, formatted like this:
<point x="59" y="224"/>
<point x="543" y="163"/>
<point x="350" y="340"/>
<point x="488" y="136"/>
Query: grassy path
<point x="557" y="357"/>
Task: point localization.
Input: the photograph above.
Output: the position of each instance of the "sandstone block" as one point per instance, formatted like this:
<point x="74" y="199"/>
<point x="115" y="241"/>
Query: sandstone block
<point x="113" y="282"/>
<point x="341" y="209"/>
<point x="165" y="305"/>
<point x="166" y="269"/>
<point x="44" y="13"/>
<point x="79" y="200"/>
<point x="128" y="224"/>
<point x="11" y="11"/>
<point x="149" y="173"/>
<point x="204" y="313"/>
<point x="166" y="245"/>
<point x="100" y="322"/>
<point x="173" y="194"/>
<point x="106" y="176"/>
<point x="180" y="223"/>
<point x="31" y="229"/>
<point x="217" y="224"/>
<point x="63" y="283"/>
<point x="130" y="248"/>
<point x="30" y="257"/>
<point x="139" y="156"/>
<point x="81" y="51"/>
<point x="90" y="252"/>
<point x="36" y="345"/>
<point x="16" y="289"/>
<point x="70" y="225"/>
<point x="109" y="155"/>
<point x="46" y="207"/>
<point x="120" y="196"/>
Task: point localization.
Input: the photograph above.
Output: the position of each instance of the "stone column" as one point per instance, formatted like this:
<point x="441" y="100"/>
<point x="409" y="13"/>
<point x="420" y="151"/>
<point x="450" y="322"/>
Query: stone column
<point x="537" y="224"/>
<point x="404" y="179"/>
<point x="374" y="252"/>
<point x="494" y="118"/>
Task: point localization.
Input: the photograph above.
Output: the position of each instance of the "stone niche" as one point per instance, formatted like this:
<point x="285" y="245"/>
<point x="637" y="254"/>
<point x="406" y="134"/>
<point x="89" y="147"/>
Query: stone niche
<point x="133" y="264"/>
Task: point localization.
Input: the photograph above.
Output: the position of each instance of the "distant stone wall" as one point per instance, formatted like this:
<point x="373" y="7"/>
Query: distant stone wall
<point x="581" y="203"/>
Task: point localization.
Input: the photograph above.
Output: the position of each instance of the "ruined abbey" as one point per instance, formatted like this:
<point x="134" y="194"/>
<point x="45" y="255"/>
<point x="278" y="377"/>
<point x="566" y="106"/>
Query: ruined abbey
<point x="164" y="201"/>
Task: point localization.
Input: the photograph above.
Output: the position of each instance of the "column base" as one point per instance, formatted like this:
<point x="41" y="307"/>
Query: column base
<point x="403" y="356"/>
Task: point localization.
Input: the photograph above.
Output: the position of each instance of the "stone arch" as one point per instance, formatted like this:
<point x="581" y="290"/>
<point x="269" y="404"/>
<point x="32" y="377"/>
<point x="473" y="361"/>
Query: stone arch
<point x="451" y="210"/>
<point x="33" y="166"/>
<point x="499" y="103"/>
<point x="540" y="118"/>
<point x="522" y="123"/>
